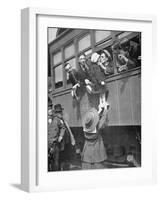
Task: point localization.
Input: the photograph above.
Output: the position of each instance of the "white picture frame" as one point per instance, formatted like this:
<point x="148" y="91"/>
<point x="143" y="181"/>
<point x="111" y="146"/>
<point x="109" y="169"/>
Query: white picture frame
<point x="34" y="21"/>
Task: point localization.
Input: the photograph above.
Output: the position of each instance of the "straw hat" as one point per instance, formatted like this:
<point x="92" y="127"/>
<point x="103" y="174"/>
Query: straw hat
<point x="90" y="120"/>
<point x="107" y="53"/>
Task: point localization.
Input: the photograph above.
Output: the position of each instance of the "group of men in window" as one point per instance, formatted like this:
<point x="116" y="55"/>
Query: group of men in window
<point x="92" y="72"/>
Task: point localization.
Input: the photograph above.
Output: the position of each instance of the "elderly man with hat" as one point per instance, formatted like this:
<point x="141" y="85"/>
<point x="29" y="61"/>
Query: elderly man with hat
<point x="94" y="153"/>
<point x="60" y="139"/>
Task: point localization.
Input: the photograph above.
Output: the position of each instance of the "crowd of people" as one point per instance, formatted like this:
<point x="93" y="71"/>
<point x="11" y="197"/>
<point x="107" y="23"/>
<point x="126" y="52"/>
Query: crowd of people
<point x="92" y="72"/>
<point x="61" y="140"/>
<point x="91" y="75"/>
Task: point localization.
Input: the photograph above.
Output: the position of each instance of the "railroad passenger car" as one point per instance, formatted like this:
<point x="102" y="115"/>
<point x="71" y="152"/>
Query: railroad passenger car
<point x="123" y="133"/>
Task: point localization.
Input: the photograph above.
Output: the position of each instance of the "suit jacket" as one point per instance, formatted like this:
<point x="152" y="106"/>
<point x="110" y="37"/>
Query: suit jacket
<point x="83" y="74"/>
<point x="74" y="77"/>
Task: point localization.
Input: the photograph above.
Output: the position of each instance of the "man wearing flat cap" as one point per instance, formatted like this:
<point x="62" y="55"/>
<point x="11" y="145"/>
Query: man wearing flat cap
<point x="60" y="139"/>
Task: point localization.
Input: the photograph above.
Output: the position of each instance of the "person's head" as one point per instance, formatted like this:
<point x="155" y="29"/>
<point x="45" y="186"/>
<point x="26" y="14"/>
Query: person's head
<point x="82" y="59"/>
<point x="68" y="67"/>
<point x="105" y="56"/>
<point x="58" y="109"/>
<point x="50" y="111"/>
<point x="125" y="44"/>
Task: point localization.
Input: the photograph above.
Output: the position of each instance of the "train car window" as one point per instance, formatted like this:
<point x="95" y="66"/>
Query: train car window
<point x="128" y="49"/>
<point x="69" y="51"/>
<point x="84" y="42"/>
<point x="57" y="58"/>
<point x="58" y="76"/>
<point x="101" y="35"/>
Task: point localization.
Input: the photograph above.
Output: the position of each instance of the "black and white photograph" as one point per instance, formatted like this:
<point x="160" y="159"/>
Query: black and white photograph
<point x="94" y="99"/>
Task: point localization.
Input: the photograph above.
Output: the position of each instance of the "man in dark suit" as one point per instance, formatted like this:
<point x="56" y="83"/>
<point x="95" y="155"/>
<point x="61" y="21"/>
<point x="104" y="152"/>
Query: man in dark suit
<point x="93" y="75"/>
<point x="60" y="139"/>
<point x="78" y="78"/>
<point x="74" y="79"/>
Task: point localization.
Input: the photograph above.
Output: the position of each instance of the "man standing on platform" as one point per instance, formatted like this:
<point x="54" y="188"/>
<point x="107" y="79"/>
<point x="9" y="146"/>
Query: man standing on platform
<point x="60" y="139"/>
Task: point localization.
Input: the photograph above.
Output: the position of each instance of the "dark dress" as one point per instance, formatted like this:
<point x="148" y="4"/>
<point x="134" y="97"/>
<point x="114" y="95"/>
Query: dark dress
<point x="73" y="77"/>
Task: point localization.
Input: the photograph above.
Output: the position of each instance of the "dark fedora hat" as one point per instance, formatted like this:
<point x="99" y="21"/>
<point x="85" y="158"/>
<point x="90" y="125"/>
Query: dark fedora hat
<point x="58" y="108"/>
<point x="90" y="120"/>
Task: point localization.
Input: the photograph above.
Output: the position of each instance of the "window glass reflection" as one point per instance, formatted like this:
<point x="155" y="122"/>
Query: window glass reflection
<point x="100" y="35"/>
<point x="84" y="43"/>
<point x="58" y="76"/>
<point x="57" y="58"/>
<point x="69" y="51"/>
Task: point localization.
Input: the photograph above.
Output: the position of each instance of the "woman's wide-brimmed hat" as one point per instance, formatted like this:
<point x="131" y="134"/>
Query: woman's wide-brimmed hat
<point x="90" y="120"/>
<point x="107" y="53"/>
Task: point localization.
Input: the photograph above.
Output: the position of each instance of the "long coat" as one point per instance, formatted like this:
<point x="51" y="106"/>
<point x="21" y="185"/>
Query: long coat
<point x="94" y="149"/>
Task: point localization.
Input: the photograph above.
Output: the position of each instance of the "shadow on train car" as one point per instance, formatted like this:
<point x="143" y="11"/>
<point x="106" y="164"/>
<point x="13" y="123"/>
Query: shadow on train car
<point x="119" y="143"/>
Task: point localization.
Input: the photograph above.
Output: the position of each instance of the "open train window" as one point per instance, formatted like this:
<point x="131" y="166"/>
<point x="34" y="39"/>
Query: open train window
<point x="127" y="50"/>
<point x="58" y="76"/>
